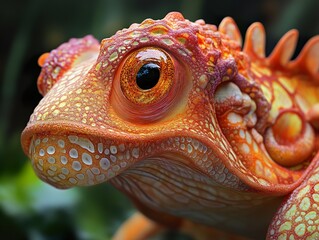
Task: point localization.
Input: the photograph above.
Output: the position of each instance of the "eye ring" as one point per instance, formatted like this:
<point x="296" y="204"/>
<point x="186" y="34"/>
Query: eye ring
<point x="159" y="92"/>
<point x="138" y="67"/>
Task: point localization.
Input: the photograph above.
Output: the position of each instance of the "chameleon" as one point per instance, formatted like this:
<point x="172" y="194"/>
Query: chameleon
<point x="202" y="132"/>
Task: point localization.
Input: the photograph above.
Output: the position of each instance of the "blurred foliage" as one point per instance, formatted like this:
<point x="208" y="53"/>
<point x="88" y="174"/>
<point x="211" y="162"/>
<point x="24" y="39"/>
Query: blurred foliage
<point x="31" y="209"/>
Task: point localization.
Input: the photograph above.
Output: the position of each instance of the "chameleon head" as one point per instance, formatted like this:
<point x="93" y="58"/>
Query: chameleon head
<point x="178" y="117"/>
<point x="156" y="109"/>
<point x="139" y="97"/>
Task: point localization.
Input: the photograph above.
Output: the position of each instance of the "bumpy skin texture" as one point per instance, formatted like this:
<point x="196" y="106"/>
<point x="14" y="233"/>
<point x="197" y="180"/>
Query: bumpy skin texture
<point x="218" y="142"/>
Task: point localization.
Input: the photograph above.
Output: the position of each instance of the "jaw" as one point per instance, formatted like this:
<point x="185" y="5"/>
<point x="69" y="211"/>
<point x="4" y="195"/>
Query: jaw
<point x="63" y="156"/>
<point x="165" y="185"/>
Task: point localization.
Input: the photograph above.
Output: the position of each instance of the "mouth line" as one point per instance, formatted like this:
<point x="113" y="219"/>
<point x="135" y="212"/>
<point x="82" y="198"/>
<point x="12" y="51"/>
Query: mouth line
<point x="63" y="127"/>
<point x="60" y="128"/>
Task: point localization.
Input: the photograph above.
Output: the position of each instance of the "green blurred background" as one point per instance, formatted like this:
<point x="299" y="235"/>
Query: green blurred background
<point x="30" y="209"/>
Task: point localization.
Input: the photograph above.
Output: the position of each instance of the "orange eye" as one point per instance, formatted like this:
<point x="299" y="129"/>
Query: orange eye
<point x="147" y="76"/>
<point x="147" y="85"/>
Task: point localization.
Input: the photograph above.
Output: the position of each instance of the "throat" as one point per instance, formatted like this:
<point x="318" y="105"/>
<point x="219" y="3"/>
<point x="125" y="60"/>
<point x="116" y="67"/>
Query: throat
<point x="172" y="188"/>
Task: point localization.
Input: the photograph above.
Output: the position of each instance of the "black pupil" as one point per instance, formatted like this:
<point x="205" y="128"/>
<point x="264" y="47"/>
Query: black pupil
<point x="148" y="76"/>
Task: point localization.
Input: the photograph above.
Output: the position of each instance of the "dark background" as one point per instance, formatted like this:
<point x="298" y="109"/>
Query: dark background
<point x="30" y="209"/>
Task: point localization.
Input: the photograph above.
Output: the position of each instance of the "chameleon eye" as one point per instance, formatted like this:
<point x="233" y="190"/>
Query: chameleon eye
<point x="147" y="75"/>
<point x="147" y="85"/>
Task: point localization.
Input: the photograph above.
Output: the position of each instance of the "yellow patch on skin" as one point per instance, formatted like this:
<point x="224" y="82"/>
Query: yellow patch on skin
<point x="281" y="99"/>
<point x="62" y="104"/>
<point x="291" y="237"/>
<point x="245" y="148"/>
<point x="300" y="229"/>
<point x="267" y="93"/>
<point x="259" y="168"/>
<point x="159" y="30"/>
<point x="98" y="66"/>
<point x="303" y="192"/>
<point x="291" y="212"/>
<point x="256" y="72"/>
<point x="311" y="228"/>
<point x="167" y="41"/>
<point x="263" y="182"/>
<point x="234" y="118"/>
<point x="56" y="112"/>
<point x="248" y="138"/>
<point x="270" y="175"/>
<point x="310" y="215"/>
<point x="255" y="147"/>
<point x="305" y="204"/>
<point x="288" y="84"/>
<point x="63" y="98"/>
<point x="44" y="116"/>
<point x="113" y="56"/>
<point x="315" y="197"/>
<point x="302" y="103"/>
<point x="182" y="40"/>
<point x="313" y="236"/>
<point x="242" y="133"/>
<point x="285" y="226"/>
<point x="144" y="39"/>
<point x="259" y="71"/>
<point x="203" y="80"/>
<point x="316" y="187"/>
<point x="265" y="71"/>
<point x="282" y="236"/>
<point x="298" y="219"/>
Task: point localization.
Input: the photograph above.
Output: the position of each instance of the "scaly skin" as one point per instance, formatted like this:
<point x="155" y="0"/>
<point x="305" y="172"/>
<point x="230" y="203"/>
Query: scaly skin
<point x="222" y="139"/>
